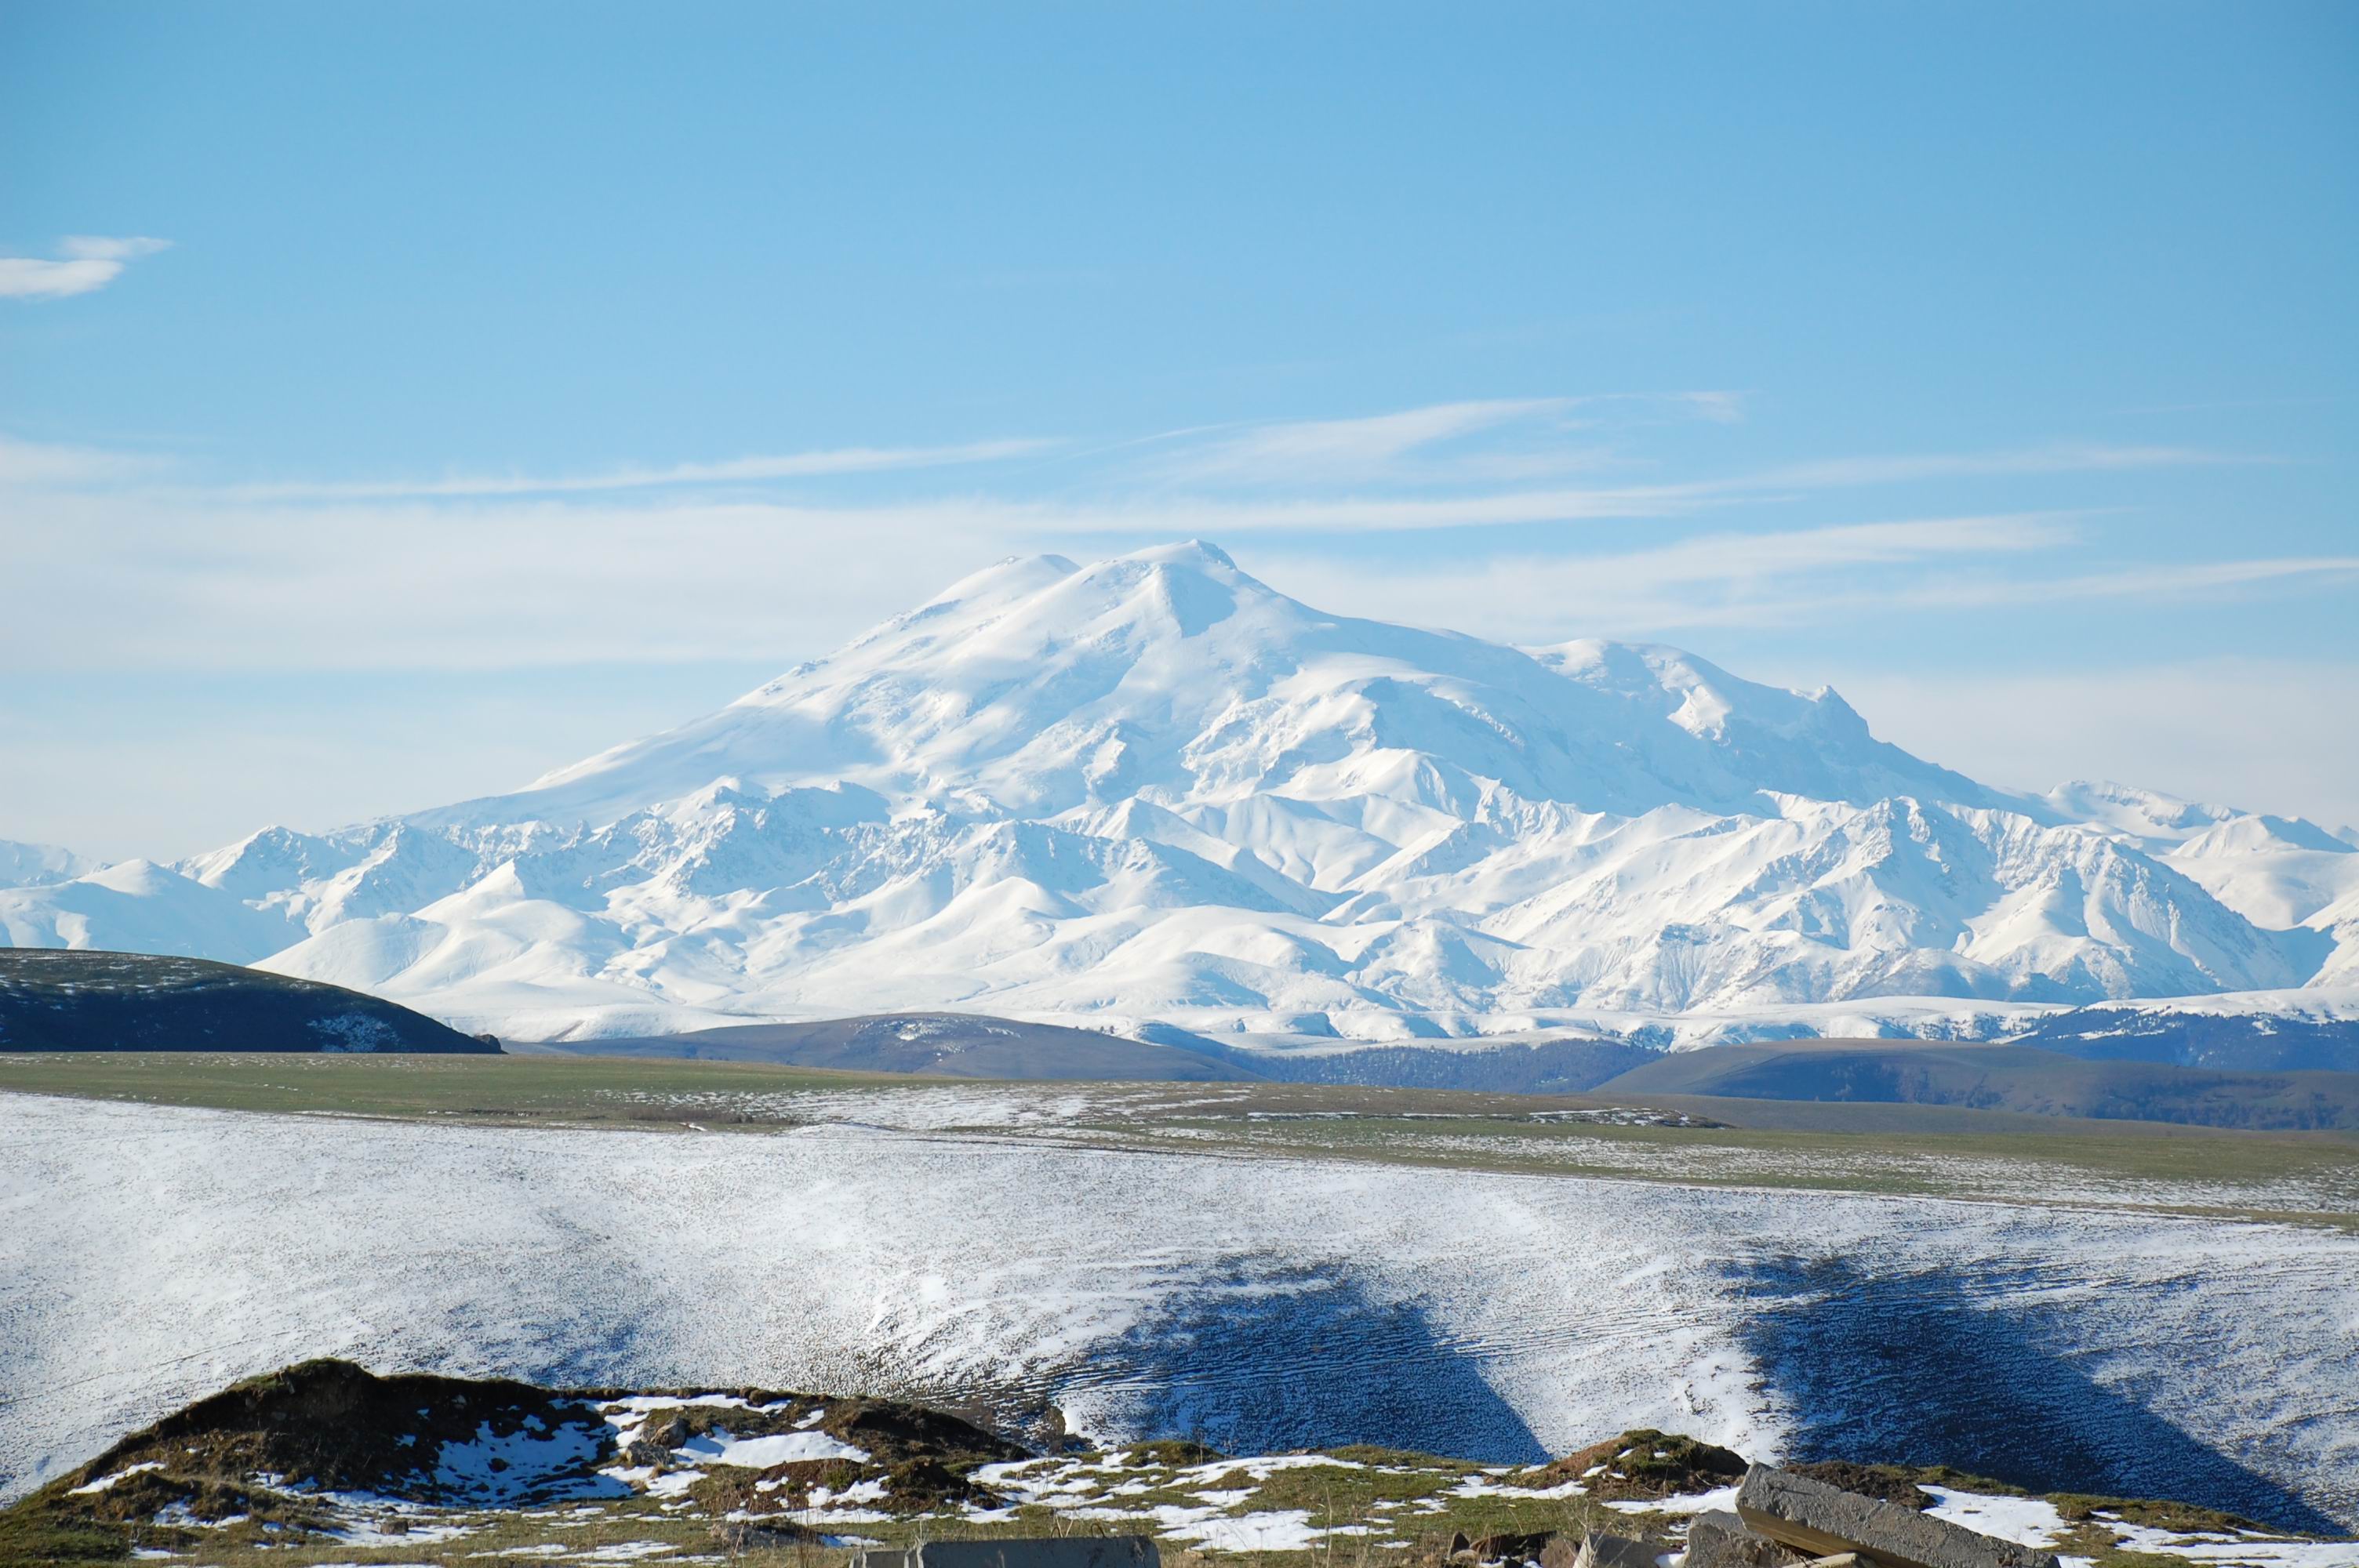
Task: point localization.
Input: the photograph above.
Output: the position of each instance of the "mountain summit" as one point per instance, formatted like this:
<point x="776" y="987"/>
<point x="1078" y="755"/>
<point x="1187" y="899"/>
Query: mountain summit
<point x="1156" y="787"/>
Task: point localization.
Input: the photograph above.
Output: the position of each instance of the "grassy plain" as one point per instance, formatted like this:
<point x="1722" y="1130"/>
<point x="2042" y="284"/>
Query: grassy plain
<point x="2306" y="1177"/>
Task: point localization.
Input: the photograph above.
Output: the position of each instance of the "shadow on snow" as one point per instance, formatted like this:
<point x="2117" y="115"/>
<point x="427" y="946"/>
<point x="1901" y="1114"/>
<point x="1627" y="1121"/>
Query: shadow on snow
<point x="1919" y="1369"/>
<point x="1259" y="1364"/>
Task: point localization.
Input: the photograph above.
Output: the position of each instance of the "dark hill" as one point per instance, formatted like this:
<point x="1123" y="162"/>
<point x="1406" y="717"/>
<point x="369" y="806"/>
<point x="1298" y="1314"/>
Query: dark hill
<point x="1999" y="1078"/>
<point x="972" y="1046"/>
<point x="2238" y="1042"/>
<point x="943" y="1044"/>
<point x="56" y="999"/>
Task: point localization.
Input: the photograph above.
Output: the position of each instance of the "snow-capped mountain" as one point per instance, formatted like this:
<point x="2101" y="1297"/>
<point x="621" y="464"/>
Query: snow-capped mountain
<point x="1154" y="787"/>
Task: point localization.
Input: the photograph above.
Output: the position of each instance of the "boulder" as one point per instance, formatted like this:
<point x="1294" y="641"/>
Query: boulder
<point x="1598" y="1549"/>
<point x="1827" y="1521"/>
<point x="1509" y="1547"/>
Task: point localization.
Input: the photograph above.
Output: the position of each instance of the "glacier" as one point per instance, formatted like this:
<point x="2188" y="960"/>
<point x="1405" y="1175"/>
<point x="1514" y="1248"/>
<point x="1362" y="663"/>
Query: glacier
<point x="1154" y="788"/>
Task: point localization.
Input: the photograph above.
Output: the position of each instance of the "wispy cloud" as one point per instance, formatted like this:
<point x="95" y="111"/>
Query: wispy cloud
<point x="1315" y="449"/>
<point x="739" y="470"/>
<point x="2060" y="457"/>
<point x="1160" y="511"/>
<point x="83" y="262"/>
<point x="2141" y="582"/>
<point x="611" y="565"/>
<point x="37" y="463"/>
<point x="1852" y="573"/>
<point x="1476" y="441"/>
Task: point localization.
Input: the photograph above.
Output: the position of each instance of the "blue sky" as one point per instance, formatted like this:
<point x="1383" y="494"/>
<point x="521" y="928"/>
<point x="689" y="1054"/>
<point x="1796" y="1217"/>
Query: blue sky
<point x="399" y="401"/>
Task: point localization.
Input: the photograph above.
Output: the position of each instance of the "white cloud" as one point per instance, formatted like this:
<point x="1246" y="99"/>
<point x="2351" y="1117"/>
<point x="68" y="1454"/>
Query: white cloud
<point x="1719" y="578"/>
<point x="128" y="581"/>
<point x="1485" y="440"/>
<point x="1313" y="449"/>
<point x="1720" y="407"/>
<point x="2062" y="458"/>
<point x="1787" y="578"/>
<point x="1367" y="441"/>
<point x="86" y="262"/>
<point x="32" y="464"/>
<point x="97" y="247"/>
<point x="487" y="572"/>
<point x="788" y="465"/>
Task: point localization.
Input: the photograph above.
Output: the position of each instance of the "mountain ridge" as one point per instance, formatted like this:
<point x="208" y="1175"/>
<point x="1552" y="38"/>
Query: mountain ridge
<point x="1154" y="787"/>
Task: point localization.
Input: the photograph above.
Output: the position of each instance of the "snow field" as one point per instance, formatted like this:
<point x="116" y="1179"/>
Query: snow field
<point x="150" y="1255"/>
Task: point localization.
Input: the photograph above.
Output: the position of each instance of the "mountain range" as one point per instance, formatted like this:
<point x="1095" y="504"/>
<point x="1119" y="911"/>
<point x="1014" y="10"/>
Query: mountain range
<point x="1155" y="789"/>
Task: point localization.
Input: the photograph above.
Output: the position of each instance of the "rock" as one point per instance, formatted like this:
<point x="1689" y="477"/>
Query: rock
<point x="1505" y="1547"/>
<point x="1827" y="1521"/>
<point x="1719" y="1539"/>
<point x="1598" y="1549"/>
<point x="740" y="1536"/>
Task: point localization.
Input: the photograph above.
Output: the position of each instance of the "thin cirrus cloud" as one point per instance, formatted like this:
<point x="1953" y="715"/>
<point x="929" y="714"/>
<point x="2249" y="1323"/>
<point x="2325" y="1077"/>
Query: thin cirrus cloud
<point x="2063" y="457"/>
<point x="1719" y="578"/>
<point x="83" y="263"/>
<point x="36" y="464"/>
<point x="738" y="470"/>
<point x="1478" y="439"/>
<point x="556" y="583"/>
<point x="1375" y="512"/>
<point x="225" y="569"/>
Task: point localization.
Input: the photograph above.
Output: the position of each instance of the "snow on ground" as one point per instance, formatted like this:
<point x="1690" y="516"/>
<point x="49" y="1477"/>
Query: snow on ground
<point x="761" y="1452"/>
<point x="495" y="1469"/>
<point x="2236" y="1551"/>
<point x="150" y="1254"/>
<point x="2034" y="1522"/>
<point x="1088" y="1113"/>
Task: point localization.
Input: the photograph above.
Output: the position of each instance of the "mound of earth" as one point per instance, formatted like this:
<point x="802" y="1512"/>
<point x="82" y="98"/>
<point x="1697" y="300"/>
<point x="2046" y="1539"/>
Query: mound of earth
<point x="326" y="1458"/>
<point x="326" y="1450"/>
<point x="1645" y="1465"/>
<point x="80" y="999"/>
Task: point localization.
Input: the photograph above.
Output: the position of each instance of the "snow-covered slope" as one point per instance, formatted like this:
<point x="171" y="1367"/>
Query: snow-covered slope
<point x="1156" y="787"/>
<point x="137" y="906"/>
<point x="2280" y="874"/>
<point x="35" y="865"/>
<point x="946" y="1243"/>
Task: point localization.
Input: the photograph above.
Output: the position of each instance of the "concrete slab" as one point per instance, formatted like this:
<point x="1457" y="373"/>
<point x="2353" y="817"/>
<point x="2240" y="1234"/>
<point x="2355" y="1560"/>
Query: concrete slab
<point x="1826" y="1521"/>
<point x="1719" y="1539"/>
